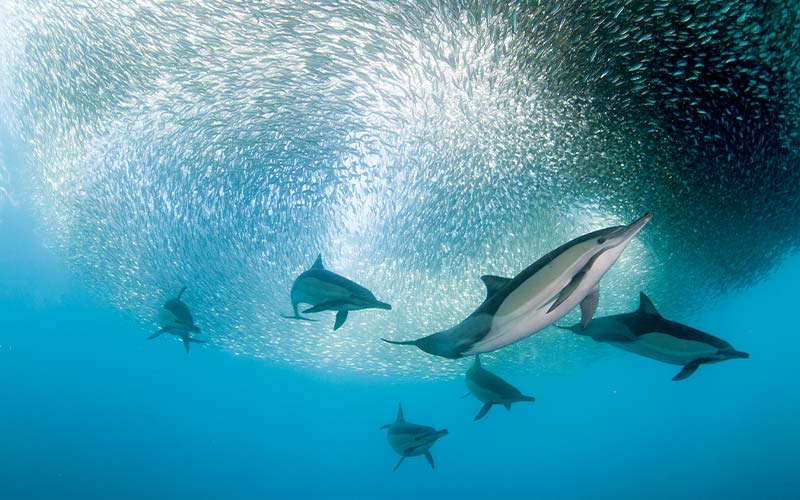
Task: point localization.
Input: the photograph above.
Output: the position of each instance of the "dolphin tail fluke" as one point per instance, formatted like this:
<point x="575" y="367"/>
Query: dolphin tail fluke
<point x="163" y="330"/>
<point x="341" y="317"/>
<point x="482" y="413"/>
<point x="398" y="463"/>
<point x="298" y="317"/>
<point x="430" y="459"/>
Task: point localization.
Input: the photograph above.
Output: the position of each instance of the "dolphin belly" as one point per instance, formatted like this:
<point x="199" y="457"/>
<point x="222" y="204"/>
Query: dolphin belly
<point x="668" y="349"/>
<point x="167" y="318"/>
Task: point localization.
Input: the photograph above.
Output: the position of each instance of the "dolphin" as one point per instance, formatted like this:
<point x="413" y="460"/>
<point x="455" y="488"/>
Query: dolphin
<point x="541" y="294"/>
<point x="175" y="318"/>
<point x="327" y="291"/>
<point x="411" y="440"/>
<point x="491" y="389"/>
<point x="646" y="333"/>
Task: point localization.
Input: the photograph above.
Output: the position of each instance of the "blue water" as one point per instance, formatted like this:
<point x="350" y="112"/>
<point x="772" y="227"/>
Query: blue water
<point x="91" y="410"/>
<point x="148" y="145"/>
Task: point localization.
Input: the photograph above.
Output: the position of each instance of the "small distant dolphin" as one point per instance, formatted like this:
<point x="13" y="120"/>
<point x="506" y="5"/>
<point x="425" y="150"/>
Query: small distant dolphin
<point x="411" y="440"/>
<point x="327" y="291"/>
<point x="491" y="389"/>
<point x="541" y="294"/>
<point x="646" y="333"/>
<point x="175" y="318"/>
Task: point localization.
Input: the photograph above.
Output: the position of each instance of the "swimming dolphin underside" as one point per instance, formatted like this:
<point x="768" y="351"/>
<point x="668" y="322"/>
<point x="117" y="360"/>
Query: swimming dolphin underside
<point x="411" y="440"/>
<point x="176" y="319"/>
<point x="327" y="291"/>
<point x="541" y="294"/>
<point x="646" y="333"/>
<point x="491" y="389"/>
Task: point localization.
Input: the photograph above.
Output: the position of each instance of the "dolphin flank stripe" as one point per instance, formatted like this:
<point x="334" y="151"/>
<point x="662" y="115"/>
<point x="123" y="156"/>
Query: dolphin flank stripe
<point x="647" y="333"/>
<point x="537" y="297"/>
<point x="324" y="290"/>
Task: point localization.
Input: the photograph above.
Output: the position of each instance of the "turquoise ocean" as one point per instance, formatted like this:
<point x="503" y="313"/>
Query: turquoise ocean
<point x="152" y="145"/>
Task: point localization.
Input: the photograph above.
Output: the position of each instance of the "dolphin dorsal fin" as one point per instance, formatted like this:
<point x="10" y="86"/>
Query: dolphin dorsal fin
<point x="646" y="305"/>
<point x="400" y="412"/>
<point x="477" y="360"/>
<point x="318" y="263"/>
<point x="494" y="283"/>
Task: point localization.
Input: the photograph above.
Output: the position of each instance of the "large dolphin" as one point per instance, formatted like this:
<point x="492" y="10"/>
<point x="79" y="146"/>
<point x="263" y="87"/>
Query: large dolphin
<point x="491" y="389"/>
<point x="545" y="291"/>
<point x="411" y="440"/>
<point x="327" y="291"/>
<point x="175" y="318"/>
<point x="647" y="333"/>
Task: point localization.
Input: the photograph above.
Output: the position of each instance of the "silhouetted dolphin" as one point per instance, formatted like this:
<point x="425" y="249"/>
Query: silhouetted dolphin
<point x="545" y="291"/>
<point x="327" y="291"/>
<point x="175" y="318"/>
<point x="411" y="440"/>
<point x="647" y="333"/>
<point x="491" y="389"/>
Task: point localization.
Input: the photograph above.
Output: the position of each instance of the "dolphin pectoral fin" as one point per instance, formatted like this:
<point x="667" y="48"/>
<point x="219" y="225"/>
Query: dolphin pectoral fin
<point x="341" y="317"/>
<point x="483" y="411"/>
<point x="398" y="463"/>
<point x="589" y="306"/>
<point x="689" y="369"/>
<point x="163" y="330"/>
<point x="185" y="344"/>
<point x="569" y="289"/>
<point x="181" y="292"/>
<point x="325" y="306"/>
<point x="508" y="406"/>
<point x="384" y="427"/>
<point x="298" y="317"/>
<point x="430" y="459"/>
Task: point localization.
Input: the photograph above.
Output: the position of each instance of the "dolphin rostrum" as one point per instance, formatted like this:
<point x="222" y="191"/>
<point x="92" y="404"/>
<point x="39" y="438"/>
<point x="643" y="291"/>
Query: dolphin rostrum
<point x="327" y="291"/>
<point x="411" y="440"/>
<point x="175" y="318"/>
<point x="541" y="294"/>
<point x="646" y="333"/>
<point x="491" y="389"/>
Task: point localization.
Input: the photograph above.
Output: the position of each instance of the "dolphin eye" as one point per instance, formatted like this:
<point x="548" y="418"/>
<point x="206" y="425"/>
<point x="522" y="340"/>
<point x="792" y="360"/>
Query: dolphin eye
<point x="601" y="241"/>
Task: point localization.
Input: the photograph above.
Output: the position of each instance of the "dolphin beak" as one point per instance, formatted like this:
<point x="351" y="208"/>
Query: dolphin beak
<point x="382" y="305"/>
<point x="633" y="229"/>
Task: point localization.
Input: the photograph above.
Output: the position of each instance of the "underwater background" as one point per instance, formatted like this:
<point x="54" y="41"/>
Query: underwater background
<point x="150" y="145"/>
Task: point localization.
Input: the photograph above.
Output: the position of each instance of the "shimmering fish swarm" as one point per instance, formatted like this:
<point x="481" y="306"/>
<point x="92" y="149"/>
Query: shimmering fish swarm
<point x="418" y="145"/>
